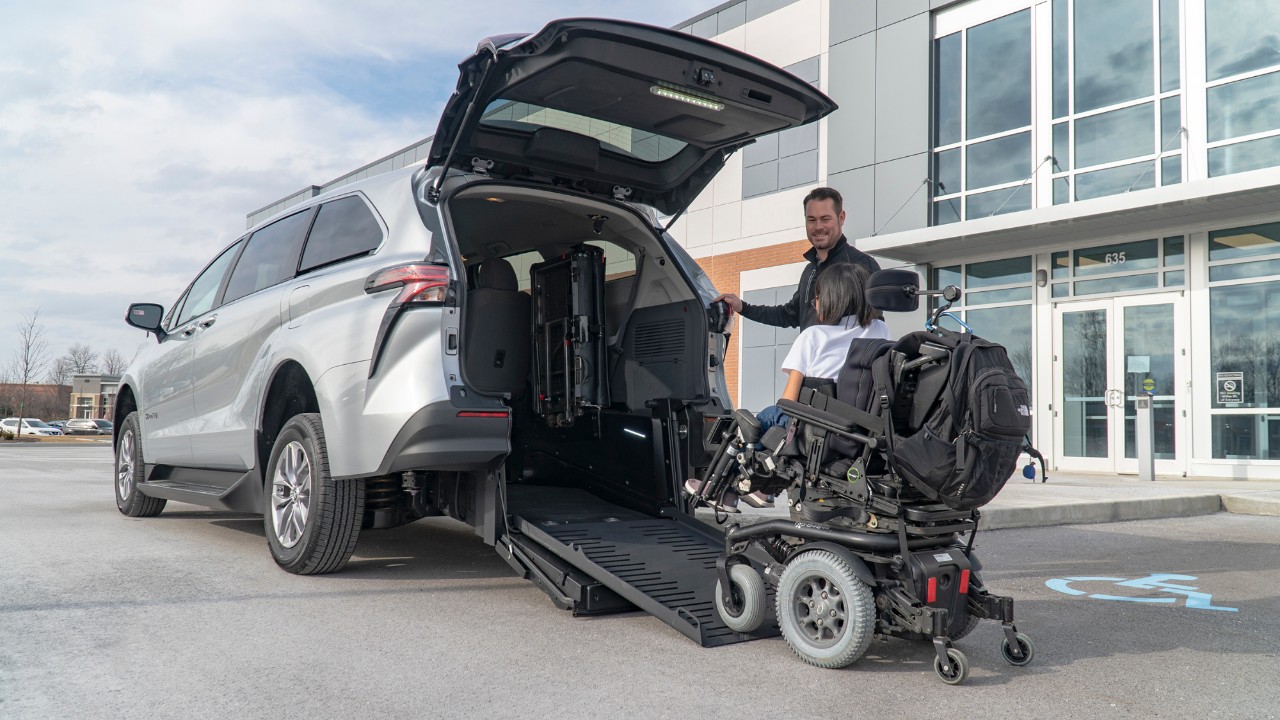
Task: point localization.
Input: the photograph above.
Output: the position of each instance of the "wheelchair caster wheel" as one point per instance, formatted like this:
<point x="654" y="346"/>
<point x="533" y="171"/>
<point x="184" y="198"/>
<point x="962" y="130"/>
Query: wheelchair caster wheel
<point x="748" y="597"/>
<point x="1026" y="650"/>
<point x="956" y="669"/>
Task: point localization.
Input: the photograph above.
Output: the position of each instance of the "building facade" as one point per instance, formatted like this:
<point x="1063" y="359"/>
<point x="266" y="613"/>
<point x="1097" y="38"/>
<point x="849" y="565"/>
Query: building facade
<point x="93" y="396"/>
<point x="1100" y="177"/>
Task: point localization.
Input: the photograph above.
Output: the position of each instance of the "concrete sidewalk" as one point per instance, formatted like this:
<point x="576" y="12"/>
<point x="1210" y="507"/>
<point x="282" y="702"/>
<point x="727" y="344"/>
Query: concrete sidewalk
<point x="1068" y="499"/>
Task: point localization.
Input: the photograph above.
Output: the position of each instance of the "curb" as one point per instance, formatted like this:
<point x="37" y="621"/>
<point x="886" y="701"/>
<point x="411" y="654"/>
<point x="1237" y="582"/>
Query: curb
<point x="1079" y="513"/>
<point x="1257" y="503"/>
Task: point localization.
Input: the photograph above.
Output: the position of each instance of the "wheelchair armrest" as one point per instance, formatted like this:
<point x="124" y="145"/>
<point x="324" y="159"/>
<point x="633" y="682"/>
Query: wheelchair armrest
<point x="808" y="413"/>
<point x="848" y="413"/>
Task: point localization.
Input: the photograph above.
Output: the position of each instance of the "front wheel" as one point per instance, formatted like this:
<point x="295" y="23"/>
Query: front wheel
<point x="956" y="669"/>
<point x="749" y="595"/>
<point x="130" y="470"/>
<point x="826" y="613"/>
<point x="312" y="521"/>
<point x="1026" y="650"/>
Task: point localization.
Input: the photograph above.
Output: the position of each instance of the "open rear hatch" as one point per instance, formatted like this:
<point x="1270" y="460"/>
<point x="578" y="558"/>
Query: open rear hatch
<point x="621" y="110"/>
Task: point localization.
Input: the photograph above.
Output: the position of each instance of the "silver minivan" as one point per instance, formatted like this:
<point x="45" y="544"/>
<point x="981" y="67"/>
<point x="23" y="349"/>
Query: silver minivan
<point x="512" y="314"/>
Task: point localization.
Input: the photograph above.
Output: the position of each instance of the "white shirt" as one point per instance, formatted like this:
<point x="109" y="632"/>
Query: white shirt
<point x="820" y="351"/>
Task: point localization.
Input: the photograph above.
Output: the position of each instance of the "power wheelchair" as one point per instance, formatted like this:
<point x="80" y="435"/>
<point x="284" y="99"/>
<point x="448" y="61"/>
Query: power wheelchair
<point x="865" y="553"/>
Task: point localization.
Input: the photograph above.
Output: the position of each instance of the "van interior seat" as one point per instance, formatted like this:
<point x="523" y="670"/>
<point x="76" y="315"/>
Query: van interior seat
<point x="497" y="331"/>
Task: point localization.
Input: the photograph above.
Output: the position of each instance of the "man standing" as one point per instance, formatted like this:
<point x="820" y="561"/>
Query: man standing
<point x="824" y="225"/>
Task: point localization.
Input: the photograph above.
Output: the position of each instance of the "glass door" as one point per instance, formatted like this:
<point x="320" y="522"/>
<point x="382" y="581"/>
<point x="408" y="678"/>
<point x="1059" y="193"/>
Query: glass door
<point x="1107" y="353"/>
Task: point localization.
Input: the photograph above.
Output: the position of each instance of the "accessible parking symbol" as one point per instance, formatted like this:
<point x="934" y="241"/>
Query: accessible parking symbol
<point x="1160" y="582"/>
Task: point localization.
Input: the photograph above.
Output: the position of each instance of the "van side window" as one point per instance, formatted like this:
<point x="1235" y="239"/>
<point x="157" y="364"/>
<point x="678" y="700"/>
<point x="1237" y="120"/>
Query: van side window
<point x="205" y="288"/>
<point x="344" y="229"/>
<point x="270" y="257"/>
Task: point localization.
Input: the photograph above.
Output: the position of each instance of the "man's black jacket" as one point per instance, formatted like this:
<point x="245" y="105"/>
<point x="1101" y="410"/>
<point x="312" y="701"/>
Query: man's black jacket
<point x="799" y="312"/>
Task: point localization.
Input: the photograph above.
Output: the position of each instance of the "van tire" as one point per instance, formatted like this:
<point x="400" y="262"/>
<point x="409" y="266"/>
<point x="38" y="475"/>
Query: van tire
<point x="311" y="520"/>
<point x="130" y="471"/>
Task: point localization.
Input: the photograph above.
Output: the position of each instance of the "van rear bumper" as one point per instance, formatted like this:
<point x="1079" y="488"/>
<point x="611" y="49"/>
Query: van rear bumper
<point x="443" y="436"/>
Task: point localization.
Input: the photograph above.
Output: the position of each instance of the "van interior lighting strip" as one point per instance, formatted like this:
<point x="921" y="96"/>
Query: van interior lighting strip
<point x="685" y="97"/>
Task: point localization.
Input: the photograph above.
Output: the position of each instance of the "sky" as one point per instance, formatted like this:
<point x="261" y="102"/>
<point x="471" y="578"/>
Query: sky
<point x="136" y="136"/>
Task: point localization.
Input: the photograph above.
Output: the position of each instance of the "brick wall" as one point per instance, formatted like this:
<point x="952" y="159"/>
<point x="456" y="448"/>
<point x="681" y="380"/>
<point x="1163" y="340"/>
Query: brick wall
<point x="726" y="271"/>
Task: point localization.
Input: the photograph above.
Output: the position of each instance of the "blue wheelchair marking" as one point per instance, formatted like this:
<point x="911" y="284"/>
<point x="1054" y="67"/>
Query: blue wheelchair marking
<point x="1196" y="600"/>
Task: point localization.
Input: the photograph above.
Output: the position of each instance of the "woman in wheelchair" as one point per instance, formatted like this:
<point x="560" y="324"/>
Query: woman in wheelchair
<point x="818" y="354"/>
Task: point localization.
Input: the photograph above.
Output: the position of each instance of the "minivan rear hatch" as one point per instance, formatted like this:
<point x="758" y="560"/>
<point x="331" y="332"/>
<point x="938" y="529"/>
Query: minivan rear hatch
<point x="617" y="109"/>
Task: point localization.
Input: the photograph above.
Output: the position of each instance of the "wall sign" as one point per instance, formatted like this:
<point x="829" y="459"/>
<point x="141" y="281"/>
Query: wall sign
<point x="1230" y="387"/>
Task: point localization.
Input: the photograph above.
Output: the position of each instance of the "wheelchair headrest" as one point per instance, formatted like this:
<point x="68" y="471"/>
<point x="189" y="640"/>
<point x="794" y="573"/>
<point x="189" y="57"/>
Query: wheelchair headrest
<point x="894" y="290"/>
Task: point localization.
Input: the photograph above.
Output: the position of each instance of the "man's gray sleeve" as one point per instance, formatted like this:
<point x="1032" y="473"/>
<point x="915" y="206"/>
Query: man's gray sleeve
<point x="786" y="315"/>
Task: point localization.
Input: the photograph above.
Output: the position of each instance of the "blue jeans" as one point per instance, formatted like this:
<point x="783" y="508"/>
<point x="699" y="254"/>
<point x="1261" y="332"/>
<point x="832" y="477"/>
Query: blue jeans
<point x="770" y="417"/>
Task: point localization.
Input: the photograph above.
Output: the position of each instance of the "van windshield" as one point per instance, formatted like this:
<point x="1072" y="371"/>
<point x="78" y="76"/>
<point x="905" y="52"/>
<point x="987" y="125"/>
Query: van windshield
<point x="527" y="117"/>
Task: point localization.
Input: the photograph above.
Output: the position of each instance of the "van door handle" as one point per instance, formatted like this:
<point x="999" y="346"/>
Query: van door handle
<point x="187" y="331"/>
<point x="206" y="323"/>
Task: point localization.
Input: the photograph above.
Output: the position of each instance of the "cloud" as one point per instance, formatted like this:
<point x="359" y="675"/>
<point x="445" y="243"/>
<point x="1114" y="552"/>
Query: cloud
<point x="136" y="136"/>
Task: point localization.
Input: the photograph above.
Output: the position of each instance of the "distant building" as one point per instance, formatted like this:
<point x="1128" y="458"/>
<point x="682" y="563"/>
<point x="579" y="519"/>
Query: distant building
<point x="46" y="402"/>
<point x="93" y="396"/>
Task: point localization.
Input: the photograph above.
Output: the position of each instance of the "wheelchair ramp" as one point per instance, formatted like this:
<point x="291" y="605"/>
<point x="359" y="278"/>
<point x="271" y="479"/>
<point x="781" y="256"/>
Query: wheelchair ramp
<point x="665" y="567"/>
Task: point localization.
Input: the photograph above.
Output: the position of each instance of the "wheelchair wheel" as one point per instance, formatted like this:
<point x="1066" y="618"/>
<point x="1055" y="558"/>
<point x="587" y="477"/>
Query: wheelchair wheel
<point x="749" y="596"/>
<point x="826" y="613"/>
<point x="1026" y="650"/>
<point x="957" y="668"/>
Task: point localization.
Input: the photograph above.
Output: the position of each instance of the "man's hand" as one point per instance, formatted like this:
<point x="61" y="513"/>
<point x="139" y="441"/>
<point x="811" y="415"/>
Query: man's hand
<point x="733" y="301"/>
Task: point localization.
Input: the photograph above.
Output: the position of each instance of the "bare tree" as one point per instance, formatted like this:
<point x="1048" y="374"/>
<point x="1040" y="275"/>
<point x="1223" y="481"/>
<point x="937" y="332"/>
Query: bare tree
<point x="29" y="358"/>
<point x="113" y="363"/>
<point x="60" y="371"/>
<point x="82" y="358"/>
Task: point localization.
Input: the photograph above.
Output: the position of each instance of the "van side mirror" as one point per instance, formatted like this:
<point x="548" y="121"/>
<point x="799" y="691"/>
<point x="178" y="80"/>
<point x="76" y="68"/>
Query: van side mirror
<point x="146" y="316"/>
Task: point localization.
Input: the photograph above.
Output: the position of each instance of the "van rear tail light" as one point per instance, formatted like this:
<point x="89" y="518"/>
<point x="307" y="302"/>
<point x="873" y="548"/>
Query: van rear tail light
<point x="418" y="282"/>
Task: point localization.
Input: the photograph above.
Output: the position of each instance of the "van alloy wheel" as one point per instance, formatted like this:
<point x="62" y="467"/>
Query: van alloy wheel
<point x="291" y="494"/>
<point x="124" y="466"/>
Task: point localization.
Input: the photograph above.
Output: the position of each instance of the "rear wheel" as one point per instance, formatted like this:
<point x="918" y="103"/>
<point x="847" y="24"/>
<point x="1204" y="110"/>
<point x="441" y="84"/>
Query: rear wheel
<point x="130" y="470"/>
<point x="826" y="613"/>
<point x="312" y="521"/>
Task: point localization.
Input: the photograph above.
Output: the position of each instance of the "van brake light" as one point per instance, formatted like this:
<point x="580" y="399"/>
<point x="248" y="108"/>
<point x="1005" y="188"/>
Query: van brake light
<point x="418" y="282"/>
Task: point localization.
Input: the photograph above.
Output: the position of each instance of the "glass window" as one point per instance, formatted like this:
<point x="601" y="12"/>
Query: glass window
<point x="1116" y="258"/>
<point x="1003" y="160"/>
<point x="998" y="202"/>
<point x="343" y="229"/>
<point x="1240" y="36"/>
<point x="1061" y="264"/>
<point x="798" y="170"/>
<point x="204" y="290"/>
<point x="947" y="171"/>
<point x="1170" y="46"/>
<point x="1174" y="278"/>
<point x="1173" y="250"/>
<point x="794" y="141"/>
<point x="1244" y="107"/>
<point x="1061" y="145"/>
<point x="1244" y="329"/>
<point x="946" y="211"/>
<point x="945" y="276"/>
<point x="1061" y="75"/>
<point x="1114" y="181"/>
<point x="1244" y="156"/>
<point x="1171" y="170"/>
<point x="1011" y="327"/>
<point x="1248" y="241"/>
<point x="270" y="257"/>
<point x="1244" y="437"/>
<point x="998" y="76"/>
<point x="988" y="297"/>
<point x="1241" y="271"/>
<point x="947" y="100"/>
<point x="1115" y="135"/>
<point x="764" y="149"/>
<point x="784" y="159"/>
<point x="759" y="179"/>
<point x="636" y="143"/>
<point x="1123" y="283"/>
<point x="1114" y="58"/>
<point x="1170" y="123"/>
<point x="998" y="272"/>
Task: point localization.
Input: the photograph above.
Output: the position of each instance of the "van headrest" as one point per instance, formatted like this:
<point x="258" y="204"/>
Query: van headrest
<point x="497" y="274"/>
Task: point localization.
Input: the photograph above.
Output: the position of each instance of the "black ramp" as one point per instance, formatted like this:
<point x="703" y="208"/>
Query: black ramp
<point x="666" y="567"/>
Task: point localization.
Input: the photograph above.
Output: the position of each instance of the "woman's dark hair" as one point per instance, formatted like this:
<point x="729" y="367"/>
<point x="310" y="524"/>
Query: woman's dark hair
<point x="841" y="292"/>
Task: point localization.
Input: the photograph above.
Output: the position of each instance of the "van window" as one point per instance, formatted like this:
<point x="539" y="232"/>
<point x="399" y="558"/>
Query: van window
<point x="202" y="292"/>
<point x="344" y="229"/>
<point x="270" y="257"/>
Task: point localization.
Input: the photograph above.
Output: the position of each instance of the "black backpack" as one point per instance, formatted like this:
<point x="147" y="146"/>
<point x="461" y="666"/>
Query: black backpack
<point x="960" y="415"/>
